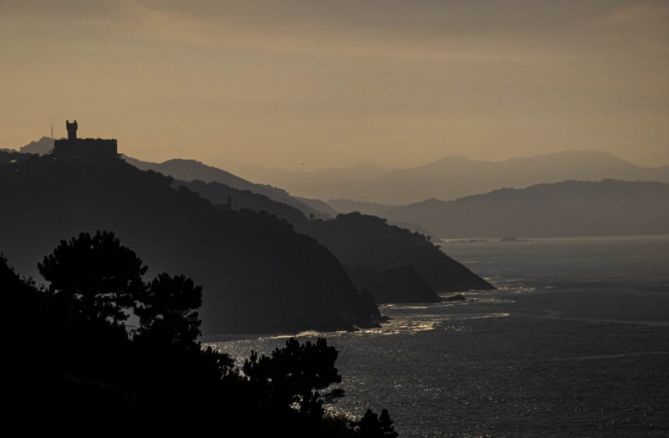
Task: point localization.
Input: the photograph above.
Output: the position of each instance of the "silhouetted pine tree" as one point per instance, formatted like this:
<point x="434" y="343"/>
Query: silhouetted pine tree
<point x="103" y="276"/>
<point x="297" y="375"/>
<point x="167" y="310"/>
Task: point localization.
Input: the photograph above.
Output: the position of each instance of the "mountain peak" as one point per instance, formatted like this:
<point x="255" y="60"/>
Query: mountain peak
<point x="41" y="147"/>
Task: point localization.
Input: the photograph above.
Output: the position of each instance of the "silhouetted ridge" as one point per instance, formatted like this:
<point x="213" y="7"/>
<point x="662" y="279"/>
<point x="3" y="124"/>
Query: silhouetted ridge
<point x="393" y="285"/>
<point x="229" y="198"/>
<point x="192" y="170"/>
<point x="364" y="242"/>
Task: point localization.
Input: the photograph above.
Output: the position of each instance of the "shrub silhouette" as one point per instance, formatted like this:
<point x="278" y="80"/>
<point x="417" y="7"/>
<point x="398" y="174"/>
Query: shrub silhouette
<point x="92" y="369"/>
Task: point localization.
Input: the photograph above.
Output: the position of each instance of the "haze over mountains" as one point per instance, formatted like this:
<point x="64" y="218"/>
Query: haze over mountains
<point x="454" y="177"/>
<point x="548" y="200"/>
<point x="569" y="208"/>
<point x="190" y="170"/>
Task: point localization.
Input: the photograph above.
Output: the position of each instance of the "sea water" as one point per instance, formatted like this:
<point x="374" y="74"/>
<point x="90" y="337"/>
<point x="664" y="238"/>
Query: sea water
<point x="575" y="342"/>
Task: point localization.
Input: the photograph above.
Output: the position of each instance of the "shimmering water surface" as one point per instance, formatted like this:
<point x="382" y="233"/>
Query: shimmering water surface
<point x="574" y="343"/>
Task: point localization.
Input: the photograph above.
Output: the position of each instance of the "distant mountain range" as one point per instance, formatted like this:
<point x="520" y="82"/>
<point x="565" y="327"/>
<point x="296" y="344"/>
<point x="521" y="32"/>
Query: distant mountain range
<point x="454" y="177"/>
<point x="568" y="208"/>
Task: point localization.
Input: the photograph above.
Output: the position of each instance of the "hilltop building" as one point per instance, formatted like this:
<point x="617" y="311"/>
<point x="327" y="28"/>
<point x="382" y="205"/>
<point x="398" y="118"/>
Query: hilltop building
<point x="89" y="149"/>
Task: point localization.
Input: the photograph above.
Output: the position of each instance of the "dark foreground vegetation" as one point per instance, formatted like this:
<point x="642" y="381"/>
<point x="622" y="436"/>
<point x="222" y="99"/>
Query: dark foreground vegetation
<point x="100" y="345"/>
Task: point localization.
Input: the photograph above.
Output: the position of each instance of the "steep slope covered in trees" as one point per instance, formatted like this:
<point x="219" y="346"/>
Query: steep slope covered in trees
<point x="362" y="241"/>
<point x="191" y="170"/>
<point x="368" y="241"/>
<point x="259" y="275"/>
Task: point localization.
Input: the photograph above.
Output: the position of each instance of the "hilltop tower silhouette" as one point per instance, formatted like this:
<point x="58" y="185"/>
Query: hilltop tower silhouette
<point x="83" y="149"/>
<point x="71" y="129"/>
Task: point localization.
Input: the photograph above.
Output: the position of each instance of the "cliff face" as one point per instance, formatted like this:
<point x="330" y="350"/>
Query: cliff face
<point x="258" y="274"/>
<point x="368" y="241"/>
<point x="393" y="285"/>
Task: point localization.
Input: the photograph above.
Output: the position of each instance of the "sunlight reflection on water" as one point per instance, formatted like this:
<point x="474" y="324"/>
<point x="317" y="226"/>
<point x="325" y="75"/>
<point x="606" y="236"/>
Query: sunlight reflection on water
<point x="567" y="346"/>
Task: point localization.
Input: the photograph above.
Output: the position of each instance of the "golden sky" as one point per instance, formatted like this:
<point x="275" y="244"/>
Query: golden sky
<point x="331" y="83"/>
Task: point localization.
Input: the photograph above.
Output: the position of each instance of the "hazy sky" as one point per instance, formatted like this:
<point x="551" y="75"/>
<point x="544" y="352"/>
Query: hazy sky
<point x="330" y="83"/>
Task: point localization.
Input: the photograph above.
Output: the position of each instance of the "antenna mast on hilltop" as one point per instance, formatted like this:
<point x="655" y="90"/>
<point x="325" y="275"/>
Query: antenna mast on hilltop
<point x="51" y="130"/>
